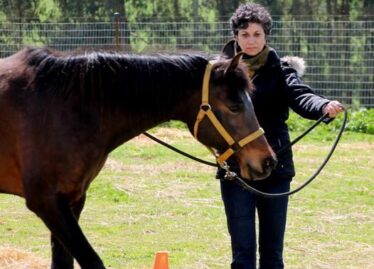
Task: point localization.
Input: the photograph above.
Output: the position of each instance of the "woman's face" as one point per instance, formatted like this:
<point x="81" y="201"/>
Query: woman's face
<point x="252" y="39"/>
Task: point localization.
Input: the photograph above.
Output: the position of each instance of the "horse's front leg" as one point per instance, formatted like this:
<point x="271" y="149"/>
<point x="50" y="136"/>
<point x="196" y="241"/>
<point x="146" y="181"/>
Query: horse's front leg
<point x="55" y="211"/>
<point x="61" y="258"/>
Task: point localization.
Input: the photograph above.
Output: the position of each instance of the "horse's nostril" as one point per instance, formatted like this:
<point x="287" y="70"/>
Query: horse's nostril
<point x="269" y="163"/>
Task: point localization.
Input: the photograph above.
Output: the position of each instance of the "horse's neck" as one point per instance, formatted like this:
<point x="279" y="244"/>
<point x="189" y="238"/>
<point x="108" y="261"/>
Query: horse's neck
<point x="145" y="104"/>
<point x="130" y="124"/>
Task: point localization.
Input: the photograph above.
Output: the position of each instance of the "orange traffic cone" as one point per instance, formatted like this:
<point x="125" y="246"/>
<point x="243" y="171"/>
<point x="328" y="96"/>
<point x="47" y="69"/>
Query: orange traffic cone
<point x="161" y="260"/>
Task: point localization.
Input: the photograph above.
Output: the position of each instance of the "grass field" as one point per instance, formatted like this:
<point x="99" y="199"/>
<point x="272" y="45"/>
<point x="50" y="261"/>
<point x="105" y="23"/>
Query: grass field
<point x="148" y="199"/>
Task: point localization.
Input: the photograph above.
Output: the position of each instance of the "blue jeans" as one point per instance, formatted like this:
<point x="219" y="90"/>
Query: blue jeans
<point x="240" y="208"/>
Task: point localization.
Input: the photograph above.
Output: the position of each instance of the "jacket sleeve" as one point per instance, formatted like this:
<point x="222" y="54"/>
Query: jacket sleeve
<point x="301" y="98"/>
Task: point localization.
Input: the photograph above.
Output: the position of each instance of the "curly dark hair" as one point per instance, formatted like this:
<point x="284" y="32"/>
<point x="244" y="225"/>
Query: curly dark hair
<point x="251" y="12"/>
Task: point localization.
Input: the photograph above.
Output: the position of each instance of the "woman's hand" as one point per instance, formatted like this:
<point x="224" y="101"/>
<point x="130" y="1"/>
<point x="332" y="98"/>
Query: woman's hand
<point x="333" y="108"/>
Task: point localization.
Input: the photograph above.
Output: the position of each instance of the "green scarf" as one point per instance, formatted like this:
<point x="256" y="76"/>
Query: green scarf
<point x="256" y="62"/>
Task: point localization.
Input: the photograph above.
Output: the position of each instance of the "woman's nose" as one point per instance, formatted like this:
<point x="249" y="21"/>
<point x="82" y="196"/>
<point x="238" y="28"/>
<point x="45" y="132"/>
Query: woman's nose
<point x="250" y="40"/>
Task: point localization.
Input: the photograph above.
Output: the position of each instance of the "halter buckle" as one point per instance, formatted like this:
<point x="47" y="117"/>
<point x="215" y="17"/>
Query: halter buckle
<point x="205" y="107"/>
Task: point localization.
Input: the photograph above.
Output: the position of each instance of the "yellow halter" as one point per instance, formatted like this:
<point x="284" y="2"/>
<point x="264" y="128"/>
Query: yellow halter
<point x="206" y="110"/>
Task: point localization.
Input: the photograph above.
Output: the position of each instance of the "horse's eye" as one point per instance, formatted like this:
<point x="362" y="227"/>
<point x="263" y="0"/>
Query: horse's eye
<point x="236" y="108"/>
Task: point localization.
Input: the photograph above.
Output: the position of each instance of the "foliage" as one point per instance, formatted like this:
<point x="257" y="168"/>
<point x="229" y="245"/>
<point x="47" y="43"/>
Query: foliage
<point x="174" y="124"/>
<point x="360" y="121"/>
<point x="179" y="10"/>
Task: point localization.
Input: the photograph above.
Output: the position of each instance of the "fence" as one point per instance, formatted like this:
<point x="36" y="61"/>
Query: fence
<point x="339" y="54"/>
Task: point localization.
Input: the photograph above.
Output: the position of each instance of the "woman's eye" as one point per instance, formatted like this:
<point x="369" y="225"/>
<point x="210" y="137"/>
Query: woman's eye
<point x="236" y="108"/>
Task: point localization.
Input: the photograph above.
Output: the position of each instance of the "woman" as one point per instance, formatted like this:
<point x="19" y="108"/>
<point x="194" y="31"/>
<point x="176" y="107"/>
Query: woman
<point x="278" y="88"/>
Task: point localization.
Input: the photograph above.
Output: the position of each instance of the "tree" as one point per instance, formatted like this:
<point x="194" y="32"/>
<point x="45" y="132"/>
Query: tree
<point x="225" y="8"/>
<point x="17" y="10"/>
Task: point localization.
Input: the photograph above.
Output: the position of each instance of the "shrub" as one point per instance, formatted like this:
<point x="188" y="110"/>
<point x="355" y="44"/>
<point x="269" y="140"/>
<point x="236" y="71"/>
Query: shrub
<point x="360" y="121"/>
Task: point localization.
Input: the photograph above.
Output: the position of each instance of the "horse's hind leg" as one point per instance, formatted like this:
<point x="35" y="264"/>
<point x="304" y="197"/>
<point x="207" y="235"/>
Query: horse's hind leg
<point x="56" y="213"/>
<point x="61" y="258"/>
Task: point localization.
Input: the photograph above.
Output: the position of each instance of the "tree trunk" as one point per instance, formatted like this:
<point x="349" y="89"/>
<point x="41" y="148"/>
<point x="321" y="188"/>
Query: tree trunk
<point x="226" y="8"/>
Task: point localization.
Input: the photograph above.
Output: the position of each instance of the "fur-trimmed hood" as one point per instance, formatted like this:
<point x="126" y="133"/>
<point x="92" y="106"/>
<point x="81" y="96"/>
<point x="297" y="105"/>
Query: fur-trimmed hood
<point x="296" y="63"/>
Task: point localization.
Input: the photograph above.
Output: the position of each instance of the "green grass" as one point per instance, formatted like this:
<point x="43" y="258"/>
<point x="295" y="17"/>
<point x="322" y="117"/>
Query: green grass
<point x="148" y="199"/>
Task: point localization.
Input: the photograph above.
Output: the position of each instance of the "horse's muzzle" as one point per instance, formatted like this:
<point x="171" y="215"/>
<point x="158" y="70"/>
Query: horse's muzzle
<point x="268" y="164"/>
<point x="261" y="171"/>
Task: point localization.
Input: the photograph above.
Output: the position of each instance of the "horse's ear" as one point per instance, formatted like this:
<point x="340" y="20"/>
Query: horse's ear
<point x="234" y="62"/>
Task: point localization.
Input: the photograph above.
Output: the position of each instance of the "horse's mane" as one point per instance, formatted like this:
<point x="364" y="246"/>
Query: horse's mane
<point x="116" y="77"/>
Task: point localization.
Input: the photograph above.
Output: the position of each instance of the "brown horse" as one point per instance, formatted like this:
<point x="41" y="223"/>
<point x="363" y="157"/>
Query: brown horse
<point x="62" y="114"/>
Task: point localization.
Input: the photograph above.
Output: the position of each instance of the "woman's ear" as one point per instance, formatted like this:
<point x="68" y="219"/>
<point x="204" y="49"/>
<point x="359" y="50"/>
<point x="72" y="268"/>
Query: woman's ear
<point x="234" y="62"/>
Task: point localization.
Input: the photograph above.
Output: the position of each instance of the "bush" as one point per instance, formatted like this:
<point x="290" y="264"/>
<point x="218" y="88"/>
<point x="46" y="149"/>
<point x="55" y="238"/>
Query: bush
<point x="360" y="121"/>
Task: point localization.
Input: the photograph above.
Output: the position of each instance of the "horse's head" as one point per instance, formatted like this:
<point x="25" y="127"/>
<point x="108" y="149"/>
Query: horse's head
<point x="227" y="123"/>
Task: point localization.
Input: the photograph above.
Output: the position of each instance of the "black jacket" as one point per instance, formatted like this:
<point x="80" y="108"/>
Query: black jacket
<point x="278" y="88"/>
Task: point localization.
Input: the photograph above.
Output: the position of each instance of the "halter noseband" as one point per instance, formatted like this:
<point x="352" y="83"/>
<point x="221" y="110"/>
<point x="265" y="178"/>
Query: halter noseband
<point x="206" y="110"/>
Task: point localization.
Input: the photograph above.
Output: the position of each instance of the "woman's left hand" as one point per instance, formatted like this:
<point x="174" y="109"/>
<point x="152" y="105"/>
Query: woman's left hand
<point x="333" y="108"/>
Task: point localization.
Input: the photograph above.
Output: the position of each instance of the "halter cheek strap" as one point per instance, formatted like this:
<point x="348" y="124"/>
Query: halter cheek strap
<point x="206" y="110"/>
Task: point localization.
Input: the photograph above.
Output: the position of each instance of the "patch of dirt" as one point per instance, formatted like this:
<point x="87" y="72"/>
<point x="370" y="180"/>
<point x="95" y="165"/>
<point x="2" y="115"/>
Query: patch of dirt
<point x="12" y="258"/>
